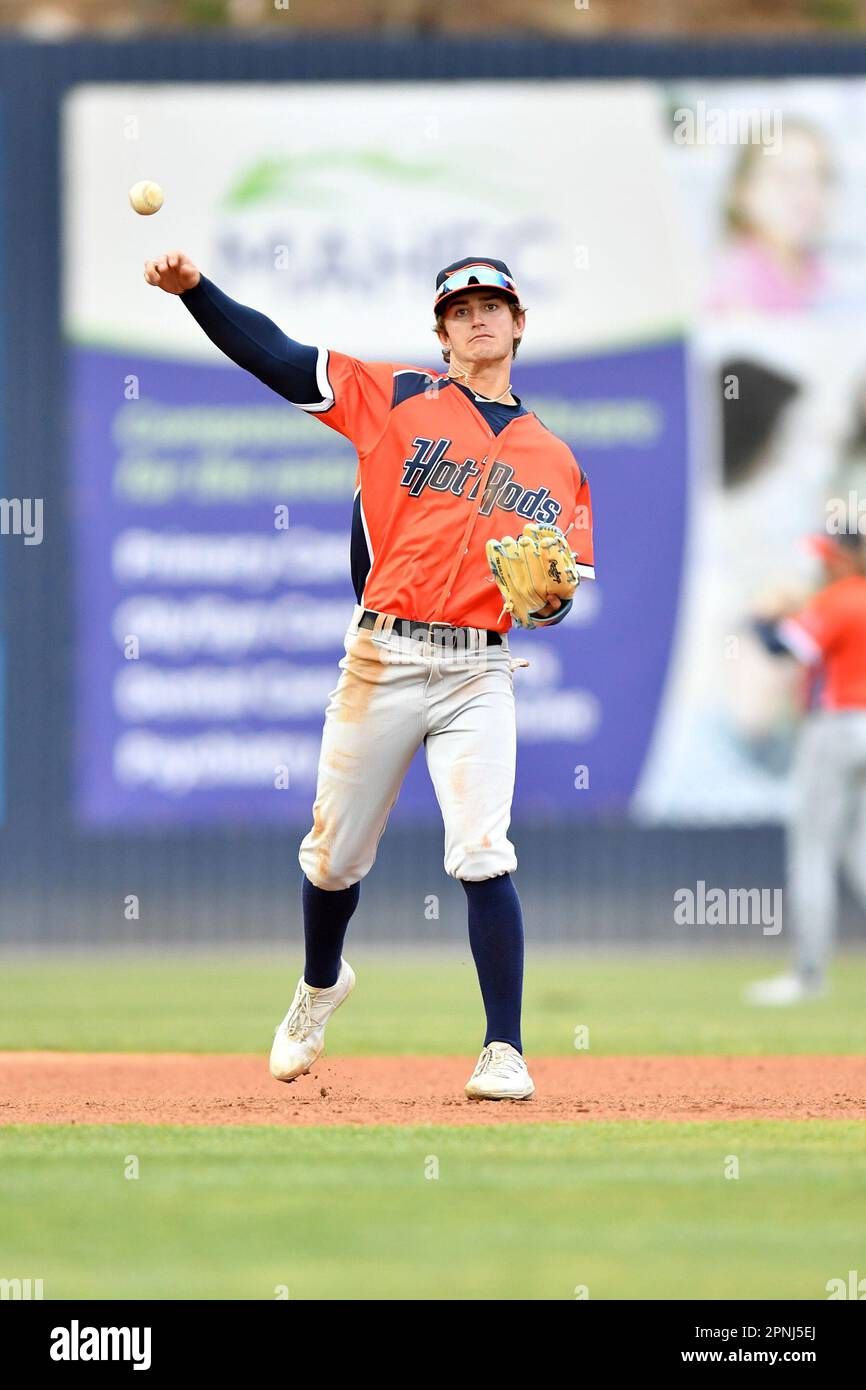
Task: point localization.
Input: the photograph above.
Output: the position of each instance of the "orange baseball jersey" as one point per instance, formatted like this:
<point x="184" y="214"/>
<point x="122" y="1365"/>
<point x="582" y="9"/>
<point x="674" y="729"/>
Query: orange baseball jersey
<point x="434" y="483"/>
<point x="829" y="632"/>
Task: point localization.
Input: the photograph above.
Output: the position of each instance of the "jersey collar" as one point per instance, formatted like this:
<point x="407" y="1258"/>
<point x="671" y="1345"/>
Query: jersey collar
<point x="483" y="400"/>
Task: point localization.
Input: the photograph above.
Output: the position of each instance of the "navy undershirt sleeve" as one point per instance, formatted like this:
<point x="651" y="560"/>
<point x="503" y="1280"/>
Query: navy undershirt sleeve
<point x="254" y="342"/>
<point x="768" y="634"/>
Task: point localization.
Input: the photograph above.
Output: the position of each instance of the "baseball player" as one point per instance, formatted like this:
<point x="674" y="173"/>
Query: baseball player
<point x="448" y="465"/>
<point x="827" y="827"/>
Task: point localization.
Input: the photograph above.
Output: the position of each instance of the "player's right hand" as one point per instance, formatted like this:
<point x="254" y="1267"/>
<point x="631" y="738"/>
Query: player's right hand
<point x="174" y="272"/>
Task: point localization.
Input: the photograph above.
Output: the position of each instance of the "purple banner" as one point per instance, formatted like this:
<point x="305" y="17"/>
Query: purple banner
<point x="212" y="569"/>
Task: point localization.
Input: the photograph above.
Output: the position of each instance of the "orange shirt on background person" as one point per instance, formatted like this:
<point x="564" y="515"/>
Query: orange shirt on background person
<point x="829" y="632"/>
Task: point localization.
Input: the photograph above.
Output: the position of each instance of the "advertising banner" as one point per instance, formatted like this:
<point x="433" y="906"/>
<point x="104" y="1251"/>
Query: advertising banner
<point x="212" y="518"/>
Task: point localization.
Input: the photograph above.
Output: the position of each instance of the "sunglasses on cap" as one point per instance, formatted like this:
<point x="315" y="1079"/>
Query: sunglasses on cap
<point x="482" y="277"/>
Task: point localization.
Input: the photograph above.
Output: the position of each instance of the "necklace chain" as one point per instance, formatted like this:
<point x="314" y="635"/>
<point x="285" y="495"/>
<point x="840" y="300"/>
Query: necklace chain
<point x="491" y="400"/>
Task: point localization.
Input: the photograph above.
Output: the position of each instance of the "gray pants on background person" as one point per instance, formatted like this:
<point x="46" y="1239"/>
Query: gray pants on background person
<point x="826" y="834"/>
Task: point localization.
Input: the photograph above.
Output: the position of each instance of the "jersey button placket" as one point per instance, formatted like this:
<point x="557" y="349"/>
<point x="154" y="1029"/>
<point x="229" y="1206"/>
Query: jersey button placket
<point x="470" y="526"/>
<point x="467" y="533"/>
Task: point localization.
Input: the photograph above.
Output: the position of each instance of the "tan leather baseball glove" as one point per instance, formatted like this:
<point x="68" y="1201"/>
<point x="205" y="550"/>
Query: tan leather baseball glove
<point x="532" y="568"/>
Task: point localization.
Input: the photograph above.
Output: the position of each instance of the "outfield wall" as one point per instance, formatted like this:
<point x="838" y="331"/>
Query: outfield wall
<point x="602" y="874"/>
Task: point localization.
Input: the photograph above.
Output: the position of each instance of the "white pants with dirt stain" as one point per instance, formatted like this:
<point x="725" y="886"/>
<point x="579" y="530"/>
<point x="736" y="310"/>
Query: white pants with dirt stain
<point x="395" y="693"/>
<point x="827" y="832"/>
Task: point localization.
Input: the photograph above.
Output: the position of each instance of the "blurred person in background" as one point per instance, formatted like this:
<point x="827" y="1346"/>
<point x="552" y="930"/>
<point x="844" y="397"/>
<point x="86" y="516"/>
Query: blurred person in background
<point x="827" y="826"/>
<point x="775" y="218"/>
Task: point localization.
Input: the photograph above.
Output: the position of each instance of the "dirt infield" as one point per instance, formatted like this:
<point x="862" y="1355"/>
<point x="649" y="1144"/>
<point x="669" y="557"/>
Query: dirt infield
<point x="172" y="1088"/>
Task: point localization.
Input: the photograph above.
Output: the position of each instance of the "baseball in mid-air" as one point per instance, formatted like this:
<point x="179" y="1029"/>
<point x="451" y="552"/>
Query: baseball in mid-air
<point x="146" y="197"/>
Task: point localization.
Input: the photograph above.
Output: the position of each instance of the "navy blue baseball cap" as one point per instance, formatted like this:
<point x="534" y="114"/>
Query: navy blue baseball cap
<point x="474" y="272"/>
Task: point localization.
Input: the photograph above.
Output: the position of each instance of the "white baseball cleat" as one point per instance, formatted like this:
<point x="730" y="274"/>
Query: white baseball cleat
<point x="299" y="1041"/>
<point x="500" y="1075"/>
<point x="780" y="991"/>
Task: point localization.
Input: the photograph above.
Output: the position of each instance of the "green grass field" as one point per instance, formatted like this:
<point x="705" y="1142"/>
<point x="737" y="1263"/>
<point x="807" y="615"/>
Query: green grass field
<point x="630" y="1210"/>
<point x="418" y="1003"/>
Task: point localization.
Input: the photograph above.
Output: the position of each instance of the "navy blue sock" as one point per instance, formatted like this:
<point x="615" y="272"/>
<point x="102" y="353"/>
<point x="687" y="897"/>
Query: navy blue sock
<point x="326" y="917"/>
<point x="496" y="941"/>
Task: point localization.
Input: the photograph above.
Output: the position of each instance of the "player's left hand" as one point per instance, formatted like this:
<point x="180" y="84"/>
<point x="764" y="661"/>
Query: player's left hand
<point x="536" y="573"/>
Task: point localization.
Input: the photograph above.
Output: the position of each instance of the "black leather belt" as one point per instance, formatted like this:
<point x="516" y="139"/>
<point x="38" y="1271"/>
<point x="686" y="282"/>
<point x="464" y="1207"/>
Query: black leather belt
<point x="441" y="632"/>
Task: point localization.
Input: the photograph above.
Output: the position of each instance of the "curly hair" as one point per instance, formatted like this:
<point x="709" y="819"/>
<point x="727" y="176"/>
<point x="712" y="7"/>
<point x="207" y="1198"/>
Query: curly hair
<point x="515" y="310"/>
